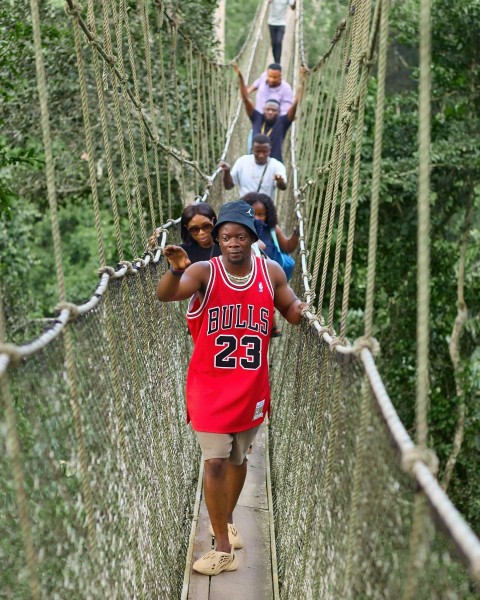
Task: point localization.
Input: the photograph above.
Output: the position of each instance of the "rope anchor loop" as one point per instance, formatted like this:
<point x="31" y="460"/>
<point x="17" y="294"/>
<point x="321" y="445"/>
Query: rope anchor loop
<point x="12" y="352"/>
<point x="415" y="454"/>
<point x="72" y="308"/>
<point x="366" y="342"/>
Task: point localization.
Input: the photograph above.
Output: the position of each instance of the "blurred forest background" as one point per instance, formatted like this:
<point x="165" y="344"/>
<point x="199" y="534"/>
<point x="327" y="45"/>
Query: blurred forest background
<point x="27" y="274"/>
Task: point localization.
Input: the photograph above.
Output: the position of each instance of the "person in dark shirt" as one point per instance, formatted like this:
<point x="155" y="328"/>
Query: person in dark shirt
<point x="197" y="222"/>
<point x="270" y="122"/>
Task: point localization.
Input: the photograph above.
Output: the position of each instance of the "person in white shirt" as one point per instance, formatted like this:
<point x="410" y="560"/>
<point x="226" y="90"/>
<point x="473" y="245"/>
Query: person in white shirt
<point x="277" y="19"/>
<point x="256" y="172"/>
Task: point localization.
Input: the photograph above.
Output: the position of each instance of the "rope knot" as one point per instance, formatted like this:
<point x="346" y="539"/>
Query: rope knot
<point x="369" y="62"/>
<point x="325" y="169"/>
<point x="366" y="342"/>
<point x="138" y="263"/>
<point x="72" y="8"/>
<point x="130" y="268"/>
<point x="106" y="269"/>
<point x="94" y="42"/>
<point x="415" y="454"/>
<point x="72" y="309"/>
<point x="337" y="341"/>
<point x="12" y="352"/>
<point x="153" y="240"/>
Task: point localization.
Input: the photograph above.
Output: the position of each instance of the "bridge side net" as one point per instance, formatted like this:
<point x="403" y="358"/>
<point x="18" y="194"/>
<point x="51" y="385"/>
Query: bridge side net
<point x="350" y="522"/>
<point x="100" y="469"/>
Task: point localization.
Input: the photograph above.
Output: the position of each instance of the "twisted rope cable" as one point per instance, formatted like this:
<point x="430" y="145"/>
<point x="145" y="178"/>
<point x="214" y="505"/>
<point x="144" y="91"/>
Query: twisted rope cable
<point x="419" y="534"/>
<point x="13" y="450"/>
<point x="88" y="132"/>
<point x="356" y="167"/>
<point x="373" y="232"/>
<point x="348" y="110"/>
<point x="42" y="93"/>
<point x="106" y="139"/>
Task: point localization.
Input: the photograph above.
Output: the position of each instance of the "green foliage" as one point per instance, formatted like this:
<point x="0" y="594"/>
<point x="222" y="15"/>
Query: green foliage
<point x="455" y="161"/>
<point x="239" y="15"/>
<point x="320" y="22"/>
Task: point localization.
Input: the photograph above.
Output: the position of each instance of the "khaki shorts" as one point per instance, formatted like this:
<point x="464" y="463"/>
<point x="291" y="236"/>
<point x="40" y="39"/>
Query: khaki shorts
<point x="233" y="446"/>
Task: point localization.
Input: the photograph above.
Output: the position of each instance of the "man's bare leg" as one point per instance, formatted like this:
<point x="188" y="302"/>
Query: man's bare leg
<point x="215" y="488"/>
<point x="222" y="485"/>
<point x="235" y="480"/>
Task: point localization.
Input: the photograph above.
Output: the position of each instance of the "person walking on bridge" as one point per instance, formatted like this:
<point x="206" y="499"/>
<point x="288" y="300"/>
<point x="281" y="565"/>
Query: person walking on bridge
<point x="232" y="300"/>
<point x="271" y="86"/>
<point x="256" y="172"/>
<point x="277" y="20"/>
<point x="270" y="122"/>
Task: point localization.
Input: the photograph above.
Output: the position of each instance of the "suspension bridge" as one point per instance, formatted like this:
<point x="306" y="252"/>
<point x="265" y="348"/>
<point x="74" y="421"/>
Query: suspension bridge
<point x="101" y="479"/>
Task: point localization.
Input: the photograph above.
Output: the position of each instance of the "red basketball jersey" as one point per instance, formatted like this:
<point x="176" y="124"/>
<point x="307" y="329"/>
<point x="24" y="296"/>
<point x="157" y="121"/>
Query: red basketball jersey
<point x="227" y="382"/>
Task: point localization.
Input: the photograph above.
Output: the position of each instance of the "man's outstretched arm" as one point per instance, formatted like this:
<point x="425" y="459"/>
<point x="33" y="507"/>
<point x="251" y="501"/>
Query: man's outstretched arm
<point x="249" y="107"/>
<point x="292" y="111"/>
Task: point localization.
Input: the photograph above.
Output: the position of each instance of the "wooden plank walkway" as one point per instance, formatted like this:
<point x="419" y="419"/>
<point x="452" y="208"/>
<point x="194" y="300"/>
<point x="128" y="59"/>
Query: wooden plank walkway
<point x="255" y="578"/>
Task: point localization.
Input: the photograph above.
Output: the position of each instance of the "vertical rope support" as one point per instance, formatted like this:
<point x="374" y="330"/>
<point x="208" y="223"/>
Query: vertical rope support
<point x="356" y="169"/>
<point x="349" y="117"/>
<point x="148" y="62"/>
<point x="160" y="13"/>
<point x="423" y="236"/>
<point x="419" y="534"/>
<point x="334" y="175"/>
<point x="69" y="361"/>
<point x="190" y="84"/>
<point x="178" y="129"/>
<point x="137" y="189"/>
<point x="87" y="127"/>
<point x="141" y="129"/>
<point x="377" y="155"/>
<point x="14" y="451"/>
<point x="372" y="248"/>
<point x="101" y="84"/>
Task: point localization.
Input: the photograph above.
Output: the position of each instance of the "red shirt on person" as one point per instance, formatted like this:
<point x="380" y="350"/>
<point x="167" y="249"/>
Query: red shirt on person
<point x="228" y="389"/>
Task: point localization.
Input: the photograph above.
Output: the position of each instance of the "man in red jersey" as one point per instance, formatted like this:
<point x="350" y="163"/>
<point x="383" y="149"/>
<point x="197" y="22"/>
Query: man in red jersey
<point x="230" y="315"/>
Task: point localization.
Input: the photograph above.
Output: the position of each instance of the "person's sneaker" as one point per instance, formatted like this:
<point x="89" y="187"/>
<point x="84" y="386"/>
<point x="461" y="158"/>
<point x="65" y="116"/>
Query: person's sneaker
<point x="213" y="563"/>
<point x="234" y="536"/>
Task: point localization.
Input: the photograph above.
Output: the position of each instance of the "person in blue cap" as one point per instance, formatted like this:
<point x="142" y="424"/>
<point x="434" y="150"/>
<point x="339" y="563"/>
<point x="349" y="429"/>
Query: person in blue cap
<point x="230" y="315"/>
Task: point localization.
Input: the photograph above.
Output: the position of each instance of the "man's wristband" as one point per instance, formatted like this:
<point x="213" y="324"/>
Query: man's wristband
<point x="176" y="272"/>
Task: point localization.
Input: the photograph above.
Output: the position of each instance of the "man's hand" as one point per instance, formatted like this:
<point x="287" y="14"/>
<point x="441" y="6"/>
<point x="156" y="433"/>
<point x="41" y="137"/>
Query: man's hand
<point x="224" y="166"/>
<point x="177" y="257"/>
<point x="280" y="181"/>
<point x="236" y="68"/>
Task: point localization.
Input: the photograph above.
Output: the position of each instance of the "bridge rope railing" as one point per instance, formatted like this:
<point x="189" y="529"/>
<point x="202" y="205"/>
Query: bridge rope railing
<point x="95" y="445"/>
<point x="106" y="456"/>
<point x="352" y="51"/>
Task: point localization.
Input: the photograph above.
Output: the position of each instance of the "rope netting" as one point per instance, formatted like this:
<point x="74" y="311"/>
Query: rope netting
<point x="99" y="473"/>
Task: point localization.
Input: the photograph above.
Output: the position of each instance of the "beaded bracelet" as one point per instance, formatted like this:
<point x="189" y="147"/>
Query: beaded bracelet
<point x="176" y="272"/>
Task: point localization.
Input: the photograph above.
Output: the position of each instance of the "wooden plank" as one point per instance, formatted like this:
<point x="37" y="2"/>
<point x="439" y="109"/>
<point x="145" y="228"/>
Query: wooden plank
<point x="199" y="584"/>
<point x="253" y="578"/>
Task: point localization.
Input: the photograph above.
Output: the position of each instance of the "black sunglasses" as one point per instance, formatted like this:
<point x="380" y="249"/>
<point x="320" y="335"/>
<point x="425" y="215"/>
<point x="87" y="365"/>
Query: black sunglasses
<point x="195" y="229"/>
